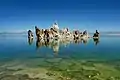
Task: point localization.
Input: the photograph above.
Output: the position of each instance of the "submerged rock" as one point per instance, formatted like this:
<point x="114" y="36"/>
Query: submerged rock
<point x="9" y="77"/>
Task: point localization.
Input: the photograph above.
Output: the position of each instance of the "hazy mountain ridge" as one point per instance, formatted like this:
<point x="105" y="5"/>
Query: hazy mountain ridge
<point x="111" y="32"/>
<point x="25" y="32"/>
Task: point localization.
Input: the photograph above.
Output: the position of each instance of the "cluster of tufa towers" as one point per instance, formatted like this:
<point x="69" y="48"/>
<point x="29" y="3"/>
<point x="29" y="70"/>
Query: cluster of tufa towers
<point x="55" y="33"/>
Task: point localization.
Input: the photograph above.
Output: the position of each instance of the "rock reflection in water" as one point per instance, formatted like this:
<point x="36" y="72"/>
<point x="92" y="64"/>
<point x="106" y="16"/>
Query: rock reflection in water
<point x="39" y="43"/>
<point x="77" y="41"/>
<point x="55" y="44"/>
<point x="30" y="41"/>
<point x="49" y="43"/>
<point x="96" y="41"/>
<point x="85" y="41"/>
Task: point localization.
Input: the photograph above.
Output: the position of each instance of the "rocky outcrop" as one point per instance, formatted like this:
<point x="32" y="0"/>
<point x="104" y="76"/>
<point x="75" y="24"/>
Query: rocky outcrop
<point x="76" y="34"/>
<point x="56" y="33"/>
<point x="96" y="34"/>
<point x="47" y="33"/>
<point x="30" y="34"/>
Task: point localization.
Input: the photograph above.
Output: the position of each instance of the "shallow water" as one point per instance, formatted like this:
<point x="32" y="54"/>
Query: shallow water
<point x="17" y="51"/>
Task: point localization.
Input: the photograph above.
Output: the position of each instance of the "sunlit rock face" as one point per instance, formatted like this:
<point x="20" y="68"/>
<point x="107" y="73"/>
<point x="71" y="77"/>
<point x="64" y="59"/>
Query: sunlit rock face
<point x="50" y="35"/>
<point x="38" y="33"/>
<point x="76" y="34"/>
<point x="65" y="33"/>
<point x="85" y="35"/>
<point x="55" y="26"/>
<point x="46" y="33"/>
<point x="55" y="32"/>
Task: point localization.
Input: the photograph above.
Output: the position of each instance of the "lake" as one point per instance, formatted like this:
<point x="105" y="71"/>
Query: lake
<point x="88" y="59"/>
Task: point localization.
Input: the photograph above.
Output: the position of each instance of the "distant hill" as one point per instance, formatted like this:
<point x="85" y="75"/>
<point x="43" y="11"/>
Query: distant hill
<point x="111" y="32"/>
<point x="25" y="32"/>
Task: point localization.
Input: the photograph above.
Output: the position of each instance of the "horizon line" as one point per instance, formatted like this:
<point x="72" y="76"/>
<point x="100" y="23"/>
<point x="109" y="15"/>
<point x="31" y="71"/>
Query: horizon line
<point x="12" y="32"/>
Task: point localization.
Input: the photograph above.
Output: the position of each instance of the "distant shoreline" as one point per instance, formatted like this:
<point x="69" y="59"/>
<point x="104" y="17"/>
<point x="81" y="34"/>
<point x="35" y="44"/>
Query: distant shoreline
<point x="111" y="34"/>
<point x="101" y="33"/>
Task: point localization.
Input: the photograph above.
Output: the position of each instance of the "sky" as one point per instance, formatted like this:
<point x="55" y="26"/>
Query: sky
<point x="21" y="15"/>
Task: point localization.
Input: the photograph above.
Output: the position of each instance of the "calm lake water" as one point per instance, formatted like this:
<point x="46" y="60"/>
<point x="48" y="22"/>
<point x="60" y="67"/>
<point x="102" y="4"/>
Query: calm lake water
<point x="22" y="58"/>
<point x="18" y="46"/>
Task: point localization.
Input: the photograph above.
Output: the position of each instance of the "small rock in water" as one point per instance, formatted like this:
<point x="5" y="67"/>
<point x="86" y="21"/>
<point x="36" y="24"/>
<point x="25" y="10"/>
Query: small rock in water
<point x="49" y="74"/>
<point x="68" y="78"/>
<point x="68" y="70"/>
<point x="98" y="74"/>
<point x="89" y="76"/>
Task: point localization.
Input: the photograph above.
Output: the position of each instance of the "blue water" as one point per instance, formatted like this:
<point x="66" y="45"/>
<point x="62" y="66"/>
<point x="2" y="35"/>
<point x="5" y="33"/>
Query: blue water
<point x="18" y="46"/>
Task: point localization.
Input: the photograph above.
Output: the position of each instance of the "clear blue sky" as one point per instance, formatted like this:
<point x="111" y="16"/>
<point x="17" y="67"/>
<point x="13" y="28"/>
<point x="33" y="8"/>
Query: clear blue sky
<point x="82" y="14"/>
